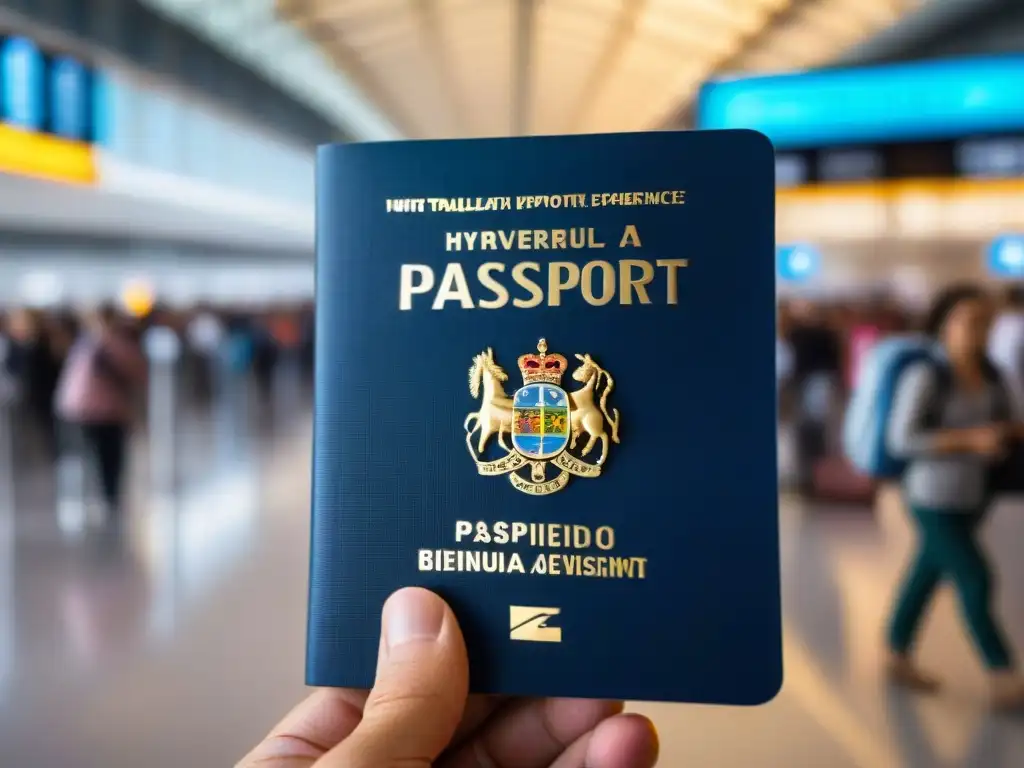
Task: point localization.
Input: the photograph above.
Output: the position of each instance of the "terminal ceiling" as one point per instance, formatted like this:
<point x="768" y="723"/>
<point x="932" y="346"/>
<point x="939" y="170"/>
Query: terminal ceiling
<point x="441" y="68"/>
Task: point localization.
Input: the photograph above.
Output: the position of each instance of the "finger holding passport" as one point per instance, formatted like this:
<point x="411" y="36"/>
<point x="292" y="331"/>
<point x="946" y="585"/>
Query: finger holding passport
<point x="417" y="713"/>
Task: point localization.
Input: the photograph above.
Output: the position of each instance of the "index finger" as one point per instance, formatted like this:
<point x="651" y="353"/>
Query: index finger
<point x="478" y="709"/>
<point x="310" y="730"/>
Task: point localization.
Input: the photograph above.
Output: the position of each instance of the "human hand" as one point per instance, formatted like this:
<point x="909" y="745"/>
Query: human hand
<point x="989" y="441"/>
<point x="417" y="714"/>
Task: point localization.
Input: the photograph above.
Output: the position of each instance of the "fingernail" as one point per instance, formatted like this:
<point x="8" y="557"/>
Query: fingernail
<point x="655" y="738"/>
<point x="412" y="614"/>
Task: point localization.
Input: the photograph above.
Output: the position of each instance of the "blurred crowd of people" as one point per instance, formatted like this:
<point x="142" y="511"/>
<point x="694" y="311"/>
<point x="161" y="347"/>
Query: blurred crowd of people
<point x="76" y="381"/>
<point x="820" y="348"/>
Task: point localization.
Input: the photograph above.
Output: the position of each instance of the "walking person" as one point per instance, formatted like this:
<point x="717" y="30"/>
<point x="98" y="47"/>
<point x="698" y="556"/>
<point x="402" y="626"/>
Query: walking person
<point x="951" y="423"/>
<point x="36" y="367"/>
<point x="204" y="335"/>
<point x="102" y="376"/>
<point x="9" y="388"/>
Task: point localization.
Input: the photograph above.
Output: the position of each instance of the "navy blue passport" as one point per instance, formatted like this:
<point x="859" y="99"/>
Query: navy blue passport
<point x="545" y="389"/>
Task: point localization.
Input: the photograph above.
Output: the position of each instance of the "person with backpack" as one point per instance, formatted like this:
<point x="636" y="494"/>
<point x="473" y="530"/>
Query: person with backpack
<point x="103" y="375"/>
<point x="933" y="413"/>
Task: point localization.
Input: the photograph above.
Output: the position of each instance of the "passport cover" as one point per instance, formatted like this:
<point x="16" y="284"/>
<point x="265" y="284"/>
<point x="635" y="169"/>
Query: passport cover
<point x="545" y="389"/>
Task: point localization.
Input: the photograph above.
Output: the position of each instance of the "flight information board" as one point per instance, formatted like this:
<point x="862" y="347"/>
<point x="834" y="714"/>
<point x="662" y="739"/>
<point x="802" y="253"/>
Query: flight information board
<point x="45" y="92"/>
<point x="920" y="150"/>
<point x="920" y="101"/>
<point x="70" y="99"/>
<point x="48" y="110"/>
<point x="956" y="118"/>
<point x="975" y="157"/>
<point x="23" y="79"/>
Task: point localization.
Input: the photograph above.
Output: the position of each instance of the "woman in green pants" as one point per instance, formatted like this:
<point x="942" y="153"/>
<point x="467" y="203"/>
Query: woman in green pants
<point x="952" y="423"/>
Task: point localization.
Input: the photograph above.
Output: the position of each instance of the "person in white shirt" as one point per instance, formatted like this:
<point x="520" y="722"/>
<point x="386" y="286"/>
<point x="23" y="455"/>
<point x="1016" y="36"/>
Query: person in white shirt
<point x="205" y="334"/>
<point x="1006" y="345"/>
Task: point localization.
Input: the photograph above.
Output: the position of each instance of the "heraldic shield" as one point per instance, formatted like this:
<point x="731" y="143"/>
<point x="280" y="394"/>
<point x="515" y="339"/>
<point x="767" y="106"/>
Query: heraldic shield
<point x="543" y="421"/>
<point x="540" y="421"/>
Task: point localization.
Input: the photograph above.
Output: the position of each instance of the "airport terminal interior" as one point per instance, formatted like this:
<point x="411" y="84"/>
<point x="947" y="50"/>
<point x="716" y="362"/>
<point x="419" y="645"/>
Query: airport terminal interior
<point x="157" y="178"/>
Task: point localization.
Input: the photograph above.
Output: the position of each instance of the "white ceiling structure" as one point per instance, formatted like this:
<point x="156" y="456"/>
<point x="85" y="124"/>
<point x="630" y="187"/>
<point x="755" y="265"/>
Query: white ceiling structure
<point x="251" y="32"/>
<point x="443" y="68"/>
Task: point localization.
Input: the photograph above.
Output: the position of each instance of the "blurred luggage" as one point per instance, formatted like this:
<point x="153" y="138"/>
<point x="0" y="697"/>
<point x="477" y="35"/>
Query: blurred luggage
<point x="834" y="479"/>
<point x="810" y="446"/>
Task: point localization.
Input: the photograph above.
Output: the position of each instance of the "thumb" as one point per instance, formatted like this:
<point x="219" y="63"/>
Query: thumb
<point x="421" y="687"/>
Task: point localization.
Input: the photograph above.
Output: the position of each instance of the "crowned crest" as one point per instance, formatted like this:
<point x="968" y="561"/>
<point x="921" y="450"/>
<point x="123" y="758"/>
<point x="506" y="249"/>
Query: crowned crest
<point x="542" y="367"/>
<point x="543" y="421"/>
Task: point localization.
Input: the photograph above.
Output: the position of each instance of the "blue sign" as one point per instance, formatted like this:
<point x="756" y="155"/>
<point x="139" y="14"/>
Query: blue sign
<point x="69" y="99"/>
<point x="902" y="102"/>
<point x="1006" y="257"/>
<point x="103" y="94"/>
<point x="22" y="73"/>
<point x="797" y="263"/>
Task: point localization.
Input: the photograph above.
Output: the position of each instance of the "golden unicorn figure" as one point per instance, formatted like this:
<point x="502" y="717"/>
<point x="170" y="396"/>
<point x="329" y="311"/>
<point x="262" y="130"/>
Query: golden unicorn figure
<point x="587" y="416"/>
<point x="495" y="414"/>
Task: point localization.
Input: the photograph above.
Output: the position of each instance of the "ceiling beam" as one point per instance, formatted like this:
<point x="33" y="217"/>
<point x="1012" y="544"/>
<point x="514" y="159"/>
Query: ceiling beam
<point x="522" y="66"/>
<point x="776" y="19"/>
<point x="684" y="116"/>
<point x="622" y="32"/>
<point x="430" y="26"/>
<point x="304" y="15"/>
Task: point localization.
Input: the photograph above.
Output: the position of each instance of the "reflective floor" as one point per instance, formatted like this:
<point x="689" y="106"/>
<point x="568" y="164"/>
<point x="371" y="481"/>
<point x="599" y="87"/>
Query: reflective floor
<point x="179" y="642"/>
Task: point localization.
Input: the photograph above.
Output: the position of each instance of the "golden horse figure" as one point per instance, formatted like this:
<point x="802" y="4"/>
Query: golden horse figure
<point x="588" y="416"/>
<point x="495" y="414"/>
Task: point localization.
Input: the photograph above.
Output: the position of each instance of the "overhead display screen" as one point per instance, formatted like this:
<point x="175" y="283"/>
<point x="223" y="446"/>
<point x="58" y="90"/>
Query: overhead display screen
<point x="921" y="101"/>
<point x="69" y="99"/>
<point x="991" y="158"/>
<point x="22" y="75"/>
<point x="997" y="157"/>
<point x="48" y="111"/>
<point x="45" y="92"/>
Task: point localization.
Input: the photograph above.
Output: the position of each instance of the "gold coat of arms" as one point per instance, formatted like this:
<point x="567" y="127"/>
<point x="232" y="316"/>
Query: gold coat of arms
<point x="542" y="421"/>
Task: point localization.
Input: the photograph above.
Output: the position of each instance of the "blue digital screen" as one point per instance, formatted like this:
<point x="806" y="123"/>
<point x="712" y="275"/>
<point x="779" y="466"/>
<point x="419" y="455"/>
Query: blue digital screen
<point x="69" y="99"/>
<point x="797" y="262"/>
<point x="102" y="94"/>
<point x="22" y="73"/>
<point x="1006" y="257"/>
<point x="902" y="102"/>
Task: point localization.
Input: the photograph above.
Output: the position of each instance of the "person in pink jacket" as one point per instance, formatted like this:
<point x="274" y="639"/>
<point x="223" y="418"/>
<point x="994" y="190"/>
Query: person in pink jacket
<point x="103" y="374"/>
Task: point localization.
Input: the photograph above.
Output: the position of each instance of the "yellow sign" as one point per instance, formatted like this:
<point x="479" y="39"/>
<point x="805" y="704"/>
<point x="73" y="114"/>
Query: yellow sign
<point x="46" y="157"/>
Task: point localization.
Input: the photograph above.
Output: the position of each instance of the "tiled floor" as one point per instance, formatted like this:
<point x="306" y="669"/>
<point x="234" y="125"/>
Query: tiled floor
<point x="180" y="644"/>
